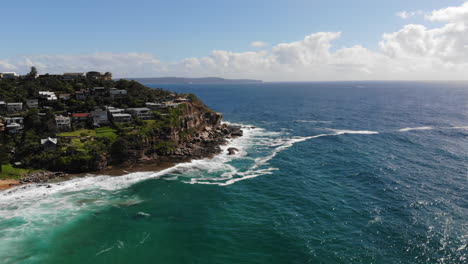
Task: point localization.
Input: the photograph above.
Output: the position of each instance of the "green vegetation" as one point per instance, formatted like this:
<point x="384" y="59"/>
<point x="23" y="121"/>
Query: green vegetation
<point x="10" y="172"/>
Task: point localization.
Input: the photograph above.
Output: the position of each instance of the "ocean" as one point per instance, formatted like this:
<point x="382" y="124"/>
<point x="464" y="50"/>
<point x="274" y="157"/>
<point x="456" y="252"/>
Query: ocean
<point x="328" y="172"/>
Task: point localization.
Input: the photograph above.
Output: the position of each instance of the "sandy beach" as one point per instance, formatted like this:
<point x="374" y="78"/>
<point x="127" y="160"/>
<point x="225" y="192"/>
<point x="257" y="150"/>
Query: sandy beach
<point x="7" y="184"/>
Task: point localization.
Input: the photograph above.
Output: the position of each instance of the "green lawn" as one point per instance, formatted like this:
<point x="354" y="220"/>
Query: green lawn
<point x="9" y="172"/>
<point x="106" y="132"/>
<point x="78" y="133"/>
<point x="98" y="132"/>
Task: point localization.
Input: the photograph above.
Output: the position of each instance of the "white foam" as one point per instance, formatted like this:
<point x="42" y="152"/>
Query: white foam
<point x="313" y="121"/>
<point x="406" y="129"/>
<point x="358" y="132"/>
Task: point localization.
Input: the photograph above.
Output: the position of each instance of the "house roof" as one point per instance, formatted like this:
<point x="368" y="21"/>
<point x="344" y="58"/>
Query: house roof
<point x="80" y="115"/>
<point x="49" y="139"/>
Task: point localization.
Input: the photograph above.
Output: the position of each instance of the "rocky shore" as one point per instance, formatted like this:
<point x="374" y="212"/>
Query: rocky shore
<point x="204" y="144"/>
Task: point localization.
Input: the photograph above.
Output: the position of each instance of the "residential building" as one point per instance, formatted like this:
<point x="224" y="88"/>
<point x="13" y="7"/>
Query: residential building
<point x="99" y="75"/>
<point x="14" y="124"/>
<point x="47" y="95"/>
<point x="143" y="113"/>
<point x="98" y="91"/>
<point x="94" y="75"/>
<point x="82" y="94"/>
<point x="117" y="93"/>
<point x="49" y="143"/>
<point x="99" y="117"/>
<point x="107" y="76"/>
<point x="181" y="100"/>
<point x="64" y="97"/>
<point x="63" y="123"/>
<point x="78" y="117"/>
<point x="69" y="76"/>
<point x="14" y="107"/>
<point x="113" y="110"/>
<point x="32" y="103"/>
<point x="119" y="118"/>
<point x="155" y="106"/>
<point x="9" y="75"/>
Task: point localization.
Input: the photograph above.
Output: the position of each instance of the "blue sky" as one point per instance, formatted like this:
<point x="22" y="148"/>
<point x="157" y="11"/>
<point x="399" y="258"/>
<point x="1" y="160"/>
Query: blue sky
<point x="178" y="29"/>
<point x="172" y="31"/>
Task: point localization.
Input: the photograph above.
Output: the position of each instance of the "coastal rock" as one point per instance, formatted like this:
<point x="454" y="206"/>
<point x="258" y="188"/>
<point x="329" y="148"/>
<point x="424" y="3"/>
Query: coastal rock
<point x="236" y="131"/>
<point x="42" y="176"/>
<point x="232" y="151"/>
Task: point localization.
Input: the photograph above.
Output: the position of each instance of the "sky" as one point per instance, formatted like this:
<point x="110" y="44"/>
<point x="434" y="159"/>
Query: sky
<point x="275" y="40"/>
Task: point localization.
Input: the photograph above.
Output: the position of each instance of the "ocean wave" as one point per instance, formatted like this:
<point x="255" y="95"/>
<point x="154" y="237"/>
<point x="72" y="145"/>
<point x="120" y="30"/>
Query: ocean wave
<point x="358" y="132"/>
<point x="313" y="121"/>
<point x="406" y="129"/>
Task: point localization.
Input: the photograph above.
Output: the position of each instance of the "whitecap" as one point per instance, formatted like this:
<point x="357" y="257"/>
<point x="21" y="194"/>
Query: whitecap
<point x="406" y="129"/>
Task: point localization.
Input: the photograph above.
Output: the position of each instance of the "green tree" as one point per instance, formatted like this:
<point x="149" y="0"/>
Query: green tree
<point x="119" y="150"/>
<point x="4" y="156"/>
<point x="33" y="72"/>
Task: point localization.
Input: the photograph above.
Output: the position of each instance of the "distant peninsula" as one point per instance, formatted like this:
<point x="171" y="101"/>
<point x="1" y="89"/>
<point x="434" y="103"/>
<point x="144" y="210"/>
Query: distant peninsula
<point x="206" y="80"/>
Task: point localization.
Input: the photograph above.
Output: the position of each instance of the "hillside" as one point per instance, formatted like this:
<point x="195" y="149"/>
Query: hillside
<point x="87" y="124"/>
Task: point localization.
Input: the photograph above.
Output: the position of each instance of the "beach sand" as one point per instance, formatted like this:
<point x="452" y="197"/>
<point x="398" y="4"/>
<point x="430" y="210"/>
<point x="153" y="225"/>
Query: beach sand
<point x="7" y="184"/>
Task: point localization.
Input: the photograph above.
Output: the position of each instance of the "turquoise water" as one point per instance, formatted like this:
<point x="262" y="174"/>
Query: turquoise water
<point x="347" y="172"/>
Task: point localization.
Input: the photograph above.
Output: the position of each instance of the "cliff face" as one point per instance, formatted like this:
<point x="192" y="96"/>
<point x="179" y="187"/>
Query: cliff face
<point x="197" y="133"/>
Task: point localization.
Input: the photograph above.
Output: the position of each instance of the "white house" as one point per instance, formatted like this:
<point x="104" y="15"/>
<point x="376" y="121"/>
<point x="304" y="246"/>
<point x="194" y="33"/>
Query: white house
<point x="117" y="93"/>
<point x="118" y="117"/>
<point x="50" y="96"/>
<point x="143" y="113"/>
<point x="9" y="75"/>
<point x="63" y="123"/>
<point x="14" y="107"/>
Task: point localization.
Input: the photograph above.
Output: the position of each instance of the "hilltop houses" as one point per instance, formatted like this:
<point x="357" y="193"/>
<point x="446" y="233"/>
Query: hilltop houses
<point x="114" y="92"/>
<point x="82" y="94"/>
<point x="49" y="143"/>
<point x="94" y="75"/>
<point x="69" y="76"/>
<point x="78" y="117"/>
<point x="99" y="117"/>
<point x="14" y="107"/>
<point x="142" y="113"/>
<point x="14" y="124"/>
<point x="9" y="75"/>
<point x="63" y="123"/>
<point x="49" y="96"/>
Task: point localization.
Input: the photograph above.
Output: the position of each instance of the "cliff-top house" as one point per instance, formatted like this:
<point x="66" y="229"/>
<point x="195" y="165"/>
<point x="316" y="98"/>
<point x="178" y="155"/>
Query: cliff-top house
<point x="63" y="123"/>
<point x="14" y="107"/>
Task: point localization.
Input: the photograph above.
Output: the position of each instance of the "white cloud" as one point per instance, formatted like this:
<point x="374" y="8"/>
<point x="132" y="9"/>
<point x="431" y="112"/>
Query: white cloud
<point x="408" y="14"/>
<point x="258" y="44"/>
<point x="414" y="52"/>
<point x="450" y="14"/>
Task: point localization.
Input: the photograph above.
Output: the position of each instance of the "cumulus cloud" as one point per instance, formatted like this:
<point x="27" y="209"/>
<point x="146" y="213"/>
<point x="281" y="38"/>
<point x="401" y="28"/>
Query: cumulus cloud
<point x="450" y="14"/>
<point x="258" y="44"/>
<point x="414" y="52"/>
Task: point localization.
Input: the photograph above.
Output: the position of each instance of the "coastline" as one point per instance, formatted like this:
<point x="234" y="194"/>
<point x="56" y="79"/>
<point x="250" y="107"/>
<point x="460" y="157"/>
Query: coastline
<point x="152" y="165"/>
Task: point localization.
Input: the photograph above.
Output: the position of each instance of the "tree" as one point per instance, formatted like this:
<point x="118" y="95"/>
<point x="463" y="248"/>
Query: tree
<point x="4" y="156"/>
<point x="33" y="72"/>
<point x="119" y="150"/>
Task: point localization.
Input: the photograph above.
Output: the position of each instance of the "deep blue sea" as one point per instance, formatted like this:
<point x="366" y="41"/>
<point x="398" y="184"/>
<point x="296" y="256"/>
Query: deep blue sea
<point x="332" y="172"/>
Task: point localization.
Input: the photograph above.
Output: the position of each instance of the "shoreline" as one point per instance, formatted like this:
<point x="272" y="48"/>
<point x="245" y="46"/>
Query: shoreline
<point x="156" y="165"/>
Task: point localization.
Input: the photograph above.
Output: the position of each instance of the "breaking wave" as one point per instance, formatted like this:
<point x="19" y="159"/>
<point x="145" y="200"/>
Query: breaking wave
<point x="406" y="129"/>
